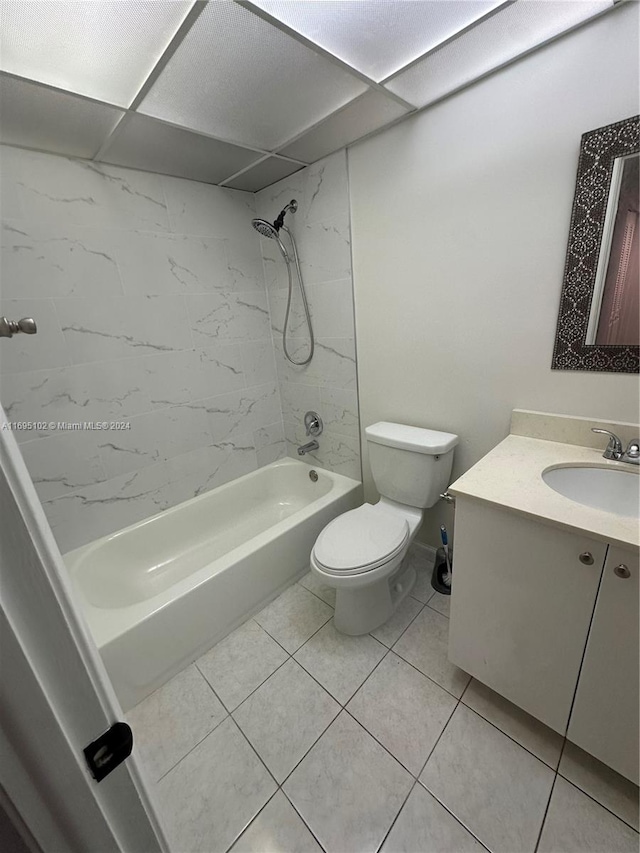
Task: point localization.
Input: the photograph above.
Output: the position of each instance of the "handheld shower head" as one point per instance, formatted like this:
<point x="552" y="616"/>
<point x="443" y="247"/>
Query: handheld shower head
<point x="265" y="228"/>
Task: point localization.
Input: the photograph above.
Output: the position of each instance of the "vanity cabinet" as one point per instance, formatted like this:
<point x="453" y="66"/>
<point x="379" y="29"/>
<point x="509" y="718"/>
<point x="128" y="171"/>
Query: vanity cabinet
<point x="538" y="615"/>
<point x="604" y="720"/>
<point x="522" y="601"/>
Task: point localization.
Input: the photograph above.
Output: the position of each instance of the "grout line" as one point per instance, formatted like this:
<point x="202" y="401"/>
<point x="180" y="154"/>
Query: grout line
<point x="454" y="816"/>
<point x="591" y="797"/>
<point x="507" y="735"/>
<point x="393" y="822"/>
<point x="546" y="812"/>
<point x="301" y="816"/>
<point x="247" y="825"/>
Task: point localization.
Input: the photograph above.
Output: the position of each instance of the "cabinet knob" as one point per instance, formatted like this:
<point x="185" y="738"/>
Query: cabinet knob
<point x="586" y="558"/>
<point x="622" y="571"/>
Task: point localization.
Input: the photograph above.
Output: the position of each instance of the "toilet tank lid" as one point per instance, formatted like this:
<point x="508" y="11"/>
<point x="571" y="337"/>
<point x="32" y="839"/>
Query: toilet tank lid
<point x="419" y="440"/>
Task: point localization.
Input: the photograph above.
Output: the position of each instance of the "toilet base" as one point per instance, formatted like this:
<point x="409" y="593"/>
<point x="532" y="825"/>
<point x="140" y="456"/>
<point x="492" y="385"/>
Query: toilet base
<point x="365" y="608"/>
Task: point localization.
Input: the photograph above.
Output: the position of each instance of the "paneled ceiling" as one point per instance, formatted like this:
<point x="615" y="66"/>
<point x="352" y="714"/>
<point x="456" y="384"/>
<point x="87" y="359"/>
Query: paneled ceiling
<point x="243" y="93"/>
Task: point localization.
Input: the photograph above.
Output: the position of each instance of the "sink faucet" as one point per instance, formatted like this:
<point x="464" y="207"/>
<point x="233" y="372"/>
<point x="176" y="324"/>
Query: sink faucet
<point x="308" y="447"/>
<point x="614" y="448"/>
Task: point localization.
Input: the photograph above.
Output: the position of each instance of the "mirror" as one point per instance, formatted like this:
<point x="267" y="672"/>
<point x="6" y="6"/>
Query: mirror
<point x="599" y="318"/>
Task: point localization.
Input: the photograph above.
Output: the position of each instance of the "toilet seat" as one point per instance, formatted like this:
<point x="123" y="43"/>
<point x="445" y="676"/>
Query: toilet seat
<point x="361" y="540"/>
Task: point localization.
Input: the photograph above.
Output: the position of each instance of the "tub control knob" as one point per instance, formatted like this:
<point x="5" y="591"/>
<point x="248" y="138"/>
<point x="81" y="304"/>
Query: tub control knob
<point x="313" y="423"/>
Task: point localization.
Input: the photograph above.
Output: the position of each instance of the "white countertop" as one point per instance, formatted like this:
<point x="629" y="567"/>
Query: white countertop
<point x="510" y="476"/>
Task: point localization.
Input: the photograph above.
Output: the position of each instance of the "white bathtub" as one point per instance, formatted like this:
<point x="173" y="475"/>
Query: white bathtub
<point x="160" y="593"/>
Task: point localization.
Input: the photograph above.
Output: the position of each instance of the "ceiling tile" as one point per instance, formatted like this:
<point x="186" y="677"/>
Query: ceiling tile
<point x="36" y="117"/>
<point x="264" y="174"/>
<point x="378" y="37"/>
<point x="104" y="49"/>
<point x="145" y="143"/>
<point x="241" y="79"/>
<point x="367" y="113"/>
<point x="504" y="36"/>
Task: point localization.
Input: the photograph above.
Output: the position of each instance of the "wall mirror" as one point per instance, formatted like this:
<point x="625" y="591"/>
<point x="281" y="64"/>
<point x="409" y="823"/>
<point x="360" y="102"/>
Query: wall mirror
<point x="599" y="318"/>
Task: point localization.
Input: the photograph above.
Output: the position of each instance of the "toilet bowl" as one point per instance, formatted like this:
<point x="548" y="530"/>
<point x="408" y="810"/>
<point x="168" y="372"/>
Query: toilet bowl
<point x="360" y="553"/>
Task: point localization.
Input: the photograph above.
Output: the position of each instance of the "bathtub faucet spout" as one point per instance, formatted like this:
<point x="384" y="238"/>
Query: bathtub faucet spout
<point x="308" y="447"/>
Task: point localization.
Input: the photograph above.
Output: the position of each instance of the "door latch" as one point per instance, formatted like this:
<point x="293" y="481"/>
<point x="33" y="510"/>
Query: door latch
<point x="105" y="753"/>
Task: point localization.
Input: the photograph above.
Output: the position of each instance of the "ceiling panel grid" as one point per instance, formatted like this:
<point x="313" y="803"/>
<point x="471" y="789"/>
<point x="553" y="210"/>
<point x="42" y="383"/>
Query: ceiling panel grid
<point x="245" y="92"/>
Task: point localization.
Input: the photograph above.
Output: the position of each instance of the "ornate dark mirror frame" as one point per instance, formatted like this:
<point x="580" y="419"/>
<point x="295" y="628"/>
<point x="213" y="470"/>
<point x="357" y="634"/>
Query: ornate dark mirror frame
<point x="598" y="150"/>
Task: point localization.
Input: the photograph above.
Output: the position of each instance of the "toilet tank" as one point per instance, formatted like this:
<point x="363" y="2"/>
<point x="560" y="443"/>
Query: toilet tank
<point x="409" y="464"/>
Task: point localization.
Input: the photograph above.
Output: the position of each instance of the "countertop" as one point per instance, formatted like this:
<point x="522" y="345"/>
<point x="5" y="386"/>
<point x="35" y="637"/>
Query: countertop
<point x="510" y="476"/>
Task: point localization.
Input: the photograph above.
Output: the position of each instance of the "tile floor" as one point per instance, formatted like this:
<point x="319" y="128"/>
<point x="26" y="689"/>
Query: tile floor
<point x="288" y="737"/>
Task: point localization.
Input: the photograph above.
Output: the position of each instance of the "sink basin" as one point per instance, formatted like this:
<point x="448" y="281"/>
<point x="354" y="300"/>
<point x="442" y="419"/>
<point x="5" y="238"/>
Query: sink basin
<point x="610" y="489"/>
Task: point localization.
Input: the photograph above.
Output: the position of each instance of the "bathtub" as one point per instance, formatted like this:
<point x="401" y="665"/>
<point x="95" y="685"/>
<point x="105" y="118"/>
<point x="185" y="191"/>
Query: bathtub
<point x="161" y="592"/>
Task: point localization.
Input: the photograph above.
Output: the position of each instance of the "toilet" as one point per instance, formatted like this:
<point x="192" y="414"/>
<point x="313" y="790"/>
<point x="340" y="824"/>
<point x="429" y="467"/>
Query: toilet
<point x="360" y="553"/>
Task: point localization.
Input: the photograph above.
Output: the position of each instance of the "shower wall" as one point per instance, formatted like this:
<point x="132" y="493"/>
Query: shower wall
<point x="327" y="385"/>
<point x="152" y="315"/>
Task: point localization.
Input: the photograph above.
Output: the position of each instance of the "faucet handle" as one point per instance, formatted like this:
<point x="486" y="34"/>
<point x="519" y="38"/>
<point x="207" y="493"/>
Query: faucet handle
<point x="313" y="423"/>
<point x="614" y="448"/>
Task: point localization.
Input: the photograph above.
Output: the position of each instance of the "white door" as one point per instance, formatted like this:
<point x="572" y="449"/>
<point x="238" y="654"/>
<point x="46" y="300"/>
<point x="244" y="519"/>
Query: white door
<point x="55" y="696"/>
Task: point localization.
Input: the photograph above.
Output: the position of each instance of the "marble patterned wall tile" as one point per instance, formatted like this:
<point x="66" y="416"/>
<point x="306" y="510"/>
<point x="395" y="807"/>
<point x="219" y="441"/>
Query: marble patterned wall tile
<point x="297" y="400"/>
<point x="48" y="348"/>
<point x="325" y="249"/>
<point x="339" y="407"/>
<point x="81" y="192"/>
<point x="328" y="384"/>
<point x="109" y="261"/>
<point x="339" y="453"/>
<point x="228" y="317"/>
<point x="333" y="363"/>
<point x="244" y="261"/>
<point x="154" y="437"/>
<point x="217" y="369"/>
<point x="196" y="208"/>
<point x="258" y="362"/>
<point x="324" y="189"/>
<point x="230" y="415"/>
<point x="95" y="511"/>
<point x="64" y="462"/>
<point x="38" y="258"/>
<point x="156" y="263"/>
<point x="270" y="443"/>
<point x="100" y="329"/>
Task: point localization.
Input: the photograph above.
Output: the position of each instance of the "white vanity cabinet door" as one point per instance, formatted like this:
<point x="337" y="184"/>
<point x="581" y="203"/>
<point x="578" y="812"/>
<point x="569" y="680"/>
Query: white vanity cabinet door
<point x="604" y="720"/>
<point x="521" y="605"/>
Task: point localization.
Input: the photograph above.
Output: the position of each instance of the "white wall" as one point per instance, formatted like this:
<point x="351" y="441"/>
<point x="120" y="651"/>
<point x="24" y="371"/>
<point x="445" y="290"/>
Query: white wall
<point x="327" y="384"/>
<point x="459" y="222"/>
<point x="151" y="304"/>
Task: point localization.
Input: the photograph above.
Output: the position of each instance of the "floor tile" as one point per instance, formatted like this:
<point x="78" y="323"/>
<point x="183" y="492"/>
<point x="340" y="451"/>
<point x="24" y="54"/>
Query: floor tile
<point x="577" y="824"/>
<point x="424" y="825"/>
<point x="348" y="788"/>
<point x="602" y="783"/>
<point x="284" y="717"/>
<point x="420" y="560"/>
<point x="241" y="662"/>
<point x="340" y="662"/>
<point x="513" y="721"/>
<point x="497" y="789"/>
<point x="277" y="829"/>
<point x="424" y="644"/>
<point x="326" y="593"/>
<point x="441" y="603"/>
<point x="294" y="617"/>
<point x="170" y="722"/>
<point x="212" y="794"/>
<point x="404" y="710"/>
<point x="406" y="612"/>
